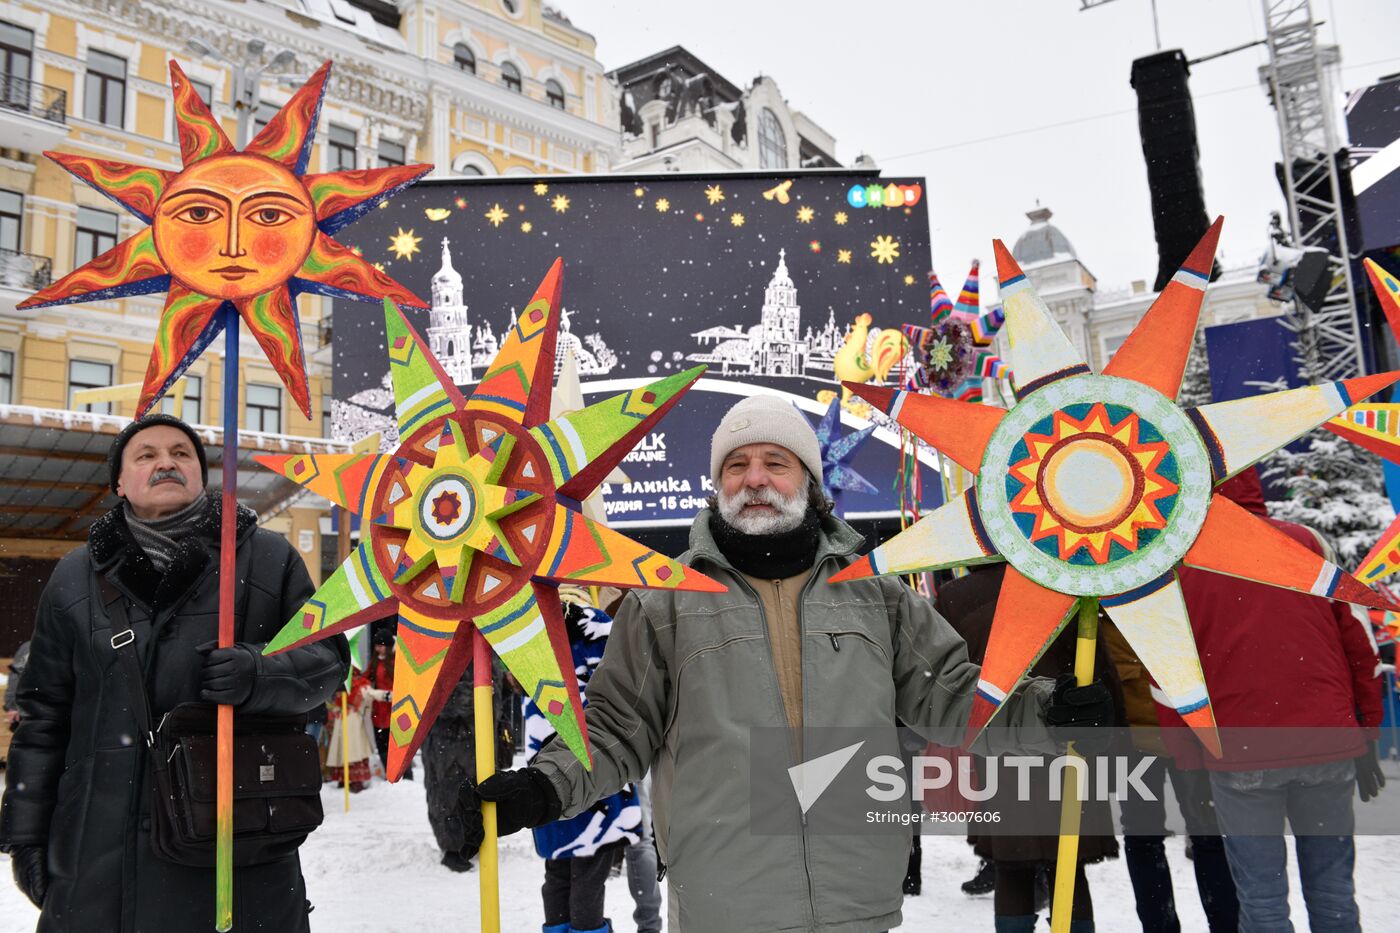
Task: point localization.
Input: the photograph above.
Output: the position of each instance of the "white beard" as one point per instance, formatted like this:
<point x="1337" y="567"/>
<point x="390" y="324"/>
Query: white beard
<point x="787" y="515"/>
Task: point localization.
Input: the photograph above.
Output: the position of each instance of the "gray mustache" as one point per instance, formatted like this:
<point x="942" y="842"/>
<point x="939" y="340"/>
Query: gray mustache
<point x="160" y="476"/>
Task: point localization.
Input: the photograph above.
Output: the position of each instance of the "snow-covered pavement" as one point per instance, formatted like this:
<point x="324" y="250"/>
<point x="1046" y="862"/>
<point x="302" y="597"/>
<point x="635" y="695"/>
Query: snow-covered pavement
<point x="375" y="870"/>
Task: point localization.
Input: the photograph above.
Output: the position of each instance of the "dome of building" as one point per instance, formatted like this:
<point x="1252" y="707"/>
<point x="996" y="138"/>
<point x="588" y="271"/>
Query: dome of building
<point x="1043" y="241"/>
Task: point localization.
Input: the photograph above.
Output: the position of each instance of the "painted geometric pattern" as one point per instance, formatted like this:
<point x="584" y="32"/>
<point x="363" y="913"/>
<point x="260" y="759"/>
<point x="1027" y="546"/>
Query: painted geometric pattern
<point x="468" y="528"/>
<point x="1140" y="502"/>
<point x="575" y="440"/>
<point x="1092" y="483"/>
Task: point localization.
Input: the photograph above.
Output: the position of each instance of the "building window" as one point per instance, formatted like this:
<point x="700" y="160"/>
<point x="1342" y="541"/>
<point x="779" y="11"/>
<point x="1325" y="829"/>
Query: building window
<point x="189" y="408"/>
<point x="342" y="148"/>
<point x="554" y="93"/>
<point x="263" y="117"/>
<point x="511" y="6"/>
<point x="11" y="216"/>
<point x="510" y="76"/>
<point x="97" y="233"/>
<point x="772" y="141"/>
<point x="85" y="374"/>
<point x="16" y="61"/>
<point x="470" y="169"/>
<point x="104" y="89"/>
<point x="7" y="377"/>
<point x="264" y="408"/>
<point x="464" y="58"/>
<point x="391" y="154"/>
<point x="327" y="423"/>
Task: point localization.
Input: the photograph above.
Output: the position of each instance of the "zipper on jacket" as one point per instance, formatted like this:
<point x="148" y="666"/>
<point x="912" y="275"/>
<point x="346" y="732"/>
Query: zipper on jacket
<point x="801" y="660"/>
<point x="777" y="683"/>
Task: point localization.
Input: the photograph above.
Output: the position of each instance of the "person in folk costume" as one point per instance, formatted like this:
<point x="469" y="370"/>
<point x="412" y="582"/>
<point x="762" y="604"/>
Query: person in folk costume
<point x="380" y="674"/>
<point x="352" y="736"/>
<point x="808" y="653"/>
<point x="77" y="812"/>
<point x="969" y="604"/>
<point x="579" y="851"/>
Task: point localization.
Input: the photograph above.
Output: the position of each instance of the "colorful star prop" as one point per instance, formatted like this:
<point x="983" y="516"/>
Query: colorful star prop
<point x="473" y="521"/>
<point x="1377" y="428"/>
<point x="248" y="229"/>
<point x="954" y="351"/>
<point x="1100" y="485"/>
<point x="837" y="452"/>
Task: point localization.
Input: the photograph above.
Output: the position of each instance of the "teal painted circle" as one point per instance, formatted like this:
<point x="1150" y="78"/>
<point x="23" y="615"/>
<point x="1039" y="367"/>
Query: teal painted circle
<point x="1157" y="550"/>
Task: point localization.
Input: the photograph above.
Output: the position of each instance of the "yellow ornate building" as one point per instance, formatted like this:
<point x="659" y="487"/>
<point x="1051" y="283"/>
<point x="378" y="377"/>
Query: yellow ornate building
<point x="476" y="87"/>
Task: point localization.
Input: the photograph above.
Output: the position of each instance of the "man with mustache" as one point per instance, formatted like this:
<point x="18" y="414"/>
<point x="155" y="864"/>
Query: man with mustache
<point x="687" y="677"/>
<point x="76" y="818"/>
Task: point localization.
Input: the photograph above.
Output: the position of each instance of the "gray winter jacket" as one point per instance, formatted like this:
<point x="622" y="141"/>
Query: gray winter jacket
<point x="685" y="679"/>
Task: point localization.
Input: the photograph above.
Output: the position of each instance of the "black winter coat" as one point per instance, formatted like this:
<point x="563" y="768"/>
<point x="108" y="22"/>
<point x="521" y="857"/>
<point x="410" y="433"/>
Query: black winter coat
<point x="78" y="777"/>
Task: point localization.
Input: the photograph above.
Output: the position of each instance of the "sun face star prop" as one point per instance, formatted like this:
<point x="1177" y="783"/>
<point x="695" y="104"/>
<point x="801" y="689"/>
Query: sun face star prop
<point x="1100" y="485"/>
<point x="248" y="229"/>
<point x="473" y="521"/>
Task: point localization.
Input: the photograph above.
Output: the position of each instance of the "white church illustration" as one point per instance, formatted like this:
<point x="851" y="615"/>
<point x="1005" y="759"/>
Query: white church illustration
<point x="775" y="346"/>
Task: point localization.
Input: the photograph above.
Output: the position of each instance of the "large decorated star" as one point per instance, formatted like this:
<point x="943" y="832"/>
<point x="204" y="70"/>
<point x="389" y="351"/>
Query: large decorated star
<point x="473" y="522"/>
<point x="1100" y="486"/>
<point x="248" y="230"/>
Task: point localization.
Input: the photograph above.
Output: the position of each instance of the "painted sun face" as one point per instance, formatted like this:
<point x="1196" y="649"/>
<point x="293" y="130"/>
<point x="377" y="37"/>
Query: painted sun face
<point x="234" y="226"/>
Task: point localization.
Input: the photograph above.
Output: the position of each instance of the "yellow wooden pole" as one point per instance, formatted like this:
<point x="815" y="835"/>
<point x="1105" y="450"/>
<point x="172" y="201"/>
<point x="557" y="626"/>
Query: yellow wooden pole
<point x="1071" y="808"/>
<point x="484" y="715"/>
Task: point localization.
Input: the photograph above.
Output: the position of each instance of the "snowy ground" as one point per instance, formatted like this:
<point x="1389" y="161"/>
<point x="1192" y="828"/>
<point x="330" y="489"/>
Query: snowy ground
<point x="384" y="845"/>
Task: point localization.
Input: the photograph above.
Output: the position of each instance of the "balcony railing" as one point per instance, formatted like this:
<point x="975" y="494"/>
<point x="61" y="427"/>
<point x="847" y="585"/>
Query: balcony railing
<point x="24" y="270"/>
<point x="37" y="100"/>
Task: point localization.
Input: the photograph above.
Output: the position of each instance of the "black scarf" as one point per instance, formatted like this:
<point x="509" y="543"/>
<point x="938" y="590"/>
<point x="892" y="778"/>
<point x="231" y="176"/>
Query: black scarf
<point x="160" y="537"/>
<point x="769" y="557"/>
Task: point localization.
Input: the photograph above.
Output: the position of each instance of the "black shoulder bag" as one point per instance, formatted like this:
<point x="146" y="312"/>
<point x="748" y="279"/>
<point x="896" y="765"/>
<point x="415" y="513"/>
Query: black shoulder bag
<point x="276" y="771"/>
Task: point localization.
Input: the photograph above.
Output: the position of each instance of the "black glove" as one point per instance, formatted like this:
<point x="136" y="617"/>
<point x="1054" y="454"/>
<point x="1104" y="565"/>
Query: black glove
<point x="1369" y="778"/>
<point x="524" y="799"/>
<point x="1081" y="715"/>
<point x="31" y="872"/>
<point x="227" y="675"/>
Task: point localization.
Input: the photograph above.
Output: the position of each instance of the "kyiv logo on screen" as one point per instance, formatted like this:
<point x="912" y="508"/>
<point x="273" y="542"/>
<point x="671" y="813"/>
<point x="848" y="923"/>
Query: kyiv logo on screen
<point x="890" y="195"/>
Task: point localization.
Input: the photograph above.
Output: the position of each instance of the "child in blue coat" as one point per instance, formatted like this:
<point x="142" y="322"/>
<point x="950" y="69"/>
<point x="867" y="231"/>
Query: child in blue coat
<point x="578" y="852"/>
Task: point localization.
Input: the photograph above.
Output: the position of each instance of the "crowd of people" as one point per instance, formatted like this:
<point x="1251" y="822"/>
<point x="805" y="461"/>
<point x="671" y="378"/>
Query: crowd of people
<point x="673" y="685"/>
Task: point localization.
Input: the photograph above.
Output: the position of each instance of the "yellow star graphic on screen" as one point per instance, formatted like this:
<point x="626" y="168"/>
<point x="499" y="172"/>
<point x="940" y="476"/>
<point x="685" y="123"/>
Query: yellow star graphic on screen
<point x="714" y="193"/>
<point x="805" y="214"/>
<point x="884" y="249"/>
<point x="663" y="205"/>
<point x="526" y="227"/>
<point x="840" y="218"/>
<point x="908" y="280"/>
<point x="736" y="219"/>
<point x="639" y="191"/>
<point x="560" y="203"/>
<point x="496" y="215"/>
<point x="541" y="188"/>
<point x="404" y="244"/>
<point x="843" y="255"/>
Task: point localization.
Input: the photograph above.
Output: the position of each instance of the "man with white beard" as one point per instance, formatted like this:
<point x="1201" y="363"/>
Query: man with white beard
<point x="688" y="677"/>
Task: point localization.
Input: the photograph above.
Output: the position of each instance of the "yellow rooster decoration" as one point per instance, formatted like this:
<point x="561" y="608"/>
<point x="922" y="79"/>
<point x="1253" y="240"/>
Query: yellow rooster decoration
<point x="861" y="359"/>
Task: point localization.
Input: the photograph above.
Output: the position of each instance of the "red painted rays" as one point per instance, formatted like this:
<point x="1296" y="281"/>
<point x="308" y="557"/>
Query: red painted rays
<point x="1100" y="486"/>
<point x="248" y="228"/>
<point x="473" y="522"/>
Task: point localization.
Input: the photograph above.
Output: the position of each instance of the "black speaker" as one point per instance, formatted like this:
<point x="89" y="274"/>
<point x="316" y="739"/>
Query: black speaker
<point x="1167" y="125"/>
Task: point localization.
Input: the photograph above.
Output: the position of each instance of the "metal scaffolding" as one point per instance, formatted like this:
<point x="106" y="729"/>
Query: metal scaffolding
<point x="1310" y="141"/>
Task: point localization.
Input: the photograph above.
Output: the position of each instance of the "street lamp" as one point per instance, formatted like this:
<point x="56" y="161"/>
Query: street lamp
<point x="246" y="90"/>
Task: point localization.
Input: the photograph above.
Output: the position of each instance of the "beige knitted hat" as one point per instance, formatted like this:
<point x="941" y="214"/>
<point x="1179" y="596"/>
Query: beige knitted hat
<point x="765" y="419"/>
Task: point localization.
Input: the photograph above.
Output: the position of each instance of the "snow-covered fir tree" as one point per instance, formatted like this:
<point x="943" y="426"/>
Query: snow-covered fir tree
<point x="1195" y="381"/>
<point x="1332" y="485"/>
